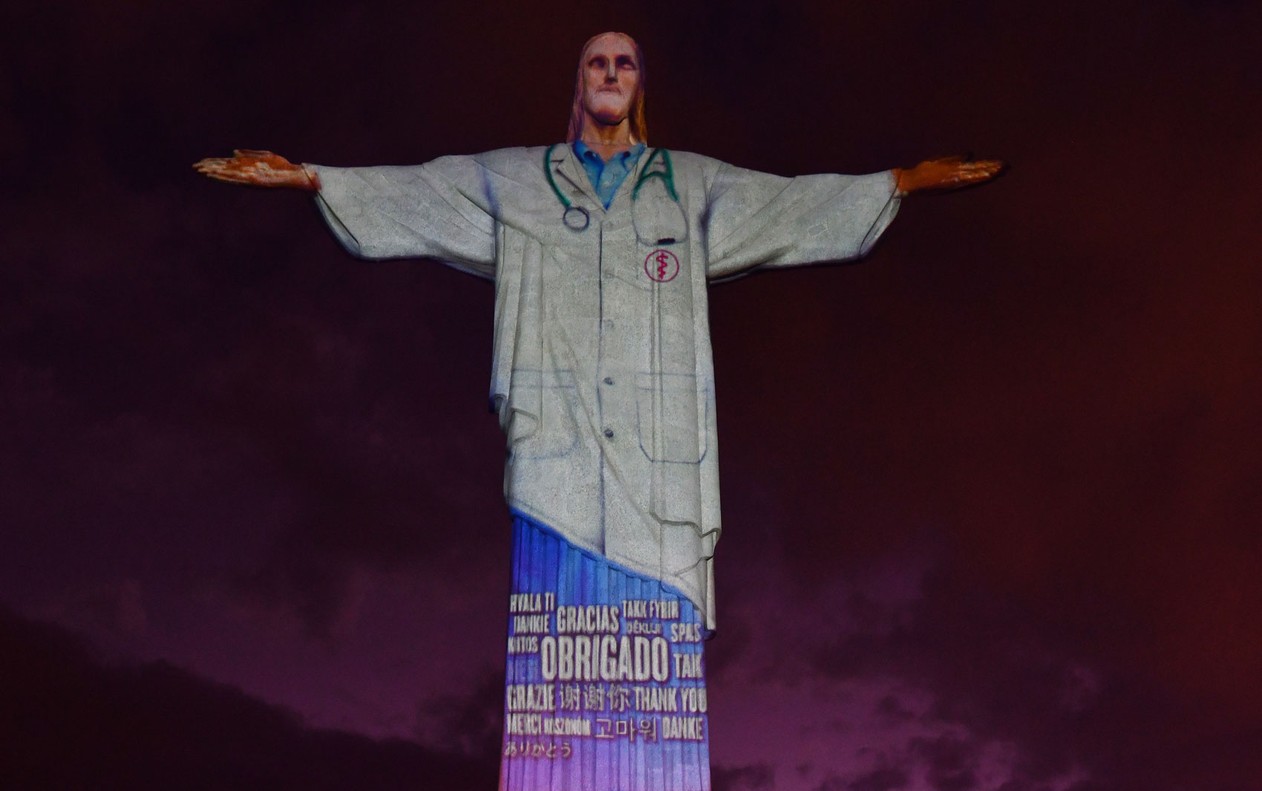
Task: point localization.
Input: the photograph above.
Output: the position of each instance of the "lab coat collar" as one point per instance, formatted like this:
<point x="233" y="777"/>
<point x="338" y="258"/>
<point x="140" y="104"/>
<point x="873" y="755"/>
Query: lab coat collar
<point x="571" y="176"/>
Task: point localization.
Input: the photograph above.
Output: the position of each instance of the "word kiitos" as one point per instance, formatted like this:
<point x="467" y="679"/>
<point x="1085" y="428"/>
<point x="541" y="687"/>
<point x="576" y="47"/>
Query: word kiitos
<point x="604" y="658"/>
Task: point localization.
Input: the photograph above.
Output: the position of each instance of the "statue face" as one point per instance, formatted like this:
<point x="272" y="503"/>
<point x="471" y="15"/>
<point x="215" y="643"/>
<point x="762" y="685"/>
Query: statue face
<point x="611" y="79"/>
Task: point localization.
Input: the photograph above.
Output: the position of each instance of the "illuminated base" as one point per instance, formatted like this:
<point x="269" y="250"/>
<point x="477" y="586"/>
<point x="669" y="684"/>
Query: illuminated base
<point x="605" y="685"/>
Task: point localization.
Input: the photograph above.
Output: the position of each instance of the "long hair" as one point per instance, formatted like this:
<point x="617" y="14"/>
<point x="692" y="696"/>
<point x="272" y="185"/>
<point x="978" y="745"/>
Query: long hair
<point x="639" y="128"/>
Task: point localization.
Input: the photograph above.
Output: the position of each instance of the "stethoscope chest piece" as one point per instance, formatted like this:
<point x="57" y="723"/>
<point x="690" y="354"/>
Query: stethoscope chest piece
<point x="576" y="218"/>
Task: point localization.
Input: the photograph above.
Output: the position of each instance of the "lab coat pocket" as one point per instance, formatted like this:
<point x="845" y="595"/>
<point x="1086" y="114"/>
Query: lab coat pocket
<point x="542" y="423"/>
<point x="671" y="414"/>
<point x="657" y="218"/>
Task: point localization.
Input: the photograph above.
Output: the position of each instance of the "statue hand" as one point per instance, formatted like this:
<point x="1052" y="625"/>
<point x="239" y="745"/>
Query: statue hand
<point x="947" y="173"/>
<point x="258" y="168"/>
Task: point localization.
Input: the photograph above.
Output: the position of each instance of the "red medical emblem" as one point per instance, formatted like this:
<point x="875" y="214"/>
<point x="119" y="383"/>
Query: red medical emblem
<point x="661" y="266"/>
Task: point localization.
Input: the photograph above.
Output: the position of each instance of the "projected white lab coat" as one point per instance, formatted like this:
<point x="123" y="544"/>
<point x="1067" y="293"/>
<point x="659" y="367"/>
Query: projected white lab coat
<point x="602" y="373"/>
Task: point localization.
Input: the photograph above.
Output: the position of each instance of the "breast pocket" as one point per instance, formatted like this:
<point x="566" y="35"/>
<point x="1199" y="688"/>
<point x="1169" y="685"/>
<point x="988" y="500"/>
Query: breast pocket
<point x="671" y="411"/>
<point x="543" y="422"/>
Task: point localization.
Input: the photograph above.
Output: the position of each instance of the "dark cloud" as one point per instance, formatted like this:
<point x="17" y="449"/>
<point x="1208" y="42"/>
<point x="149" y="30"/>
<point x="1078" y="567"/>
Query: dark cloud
<point x="69" y="721"/>
<point x="892" y="708"/>
<point x="742" y="778"/>
<point x="468" y="725"/>
<point x="951" y="762"/>
<point x="886" y="779"/>
<point x="882" y="779"/>
<point x="1006" y="677"/>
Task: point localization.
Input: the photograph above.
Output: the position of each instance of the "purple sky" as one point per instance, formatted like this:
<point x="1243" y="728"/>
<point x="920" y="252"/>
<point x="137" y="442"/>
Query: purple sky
<point x="990" y="498"/>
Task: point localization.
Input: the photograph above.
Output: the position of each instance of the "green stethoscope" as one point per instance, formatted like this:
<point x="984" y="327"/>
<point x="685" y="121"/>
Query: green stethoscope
<point x="576" y="218"/>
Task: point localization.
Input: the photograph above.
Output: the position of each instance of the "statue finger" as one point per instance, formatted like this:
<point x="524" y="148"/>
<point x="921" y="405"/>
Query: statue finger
<point x="968" y="172"/>
<point x="986" y="169"/>
<point x="213" y="172"/>
<point x="231" y="178"/>
<point x="972" y="175"/>
<point x="993" y="165"/>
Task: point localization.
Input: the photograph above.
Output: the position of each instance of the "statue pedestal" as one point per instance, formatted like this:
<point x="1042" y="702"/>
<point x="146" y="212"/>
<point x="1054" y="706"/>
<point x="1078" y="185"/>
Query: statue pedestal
<point x="605" y="689"/>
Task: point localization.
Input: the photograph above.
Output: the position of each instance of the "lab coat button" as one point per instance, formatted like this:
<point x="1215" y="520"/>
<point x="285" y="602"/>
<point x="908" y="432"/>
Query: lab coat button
<point x="609" y="433"/>
<point x="608" y="380"/>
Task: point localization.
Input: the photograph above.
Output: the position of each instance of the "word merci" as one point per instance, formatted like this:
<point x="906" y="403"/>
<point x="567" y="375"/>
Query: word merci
<point x="540" y="725"/>
<point x="604" y="658"/>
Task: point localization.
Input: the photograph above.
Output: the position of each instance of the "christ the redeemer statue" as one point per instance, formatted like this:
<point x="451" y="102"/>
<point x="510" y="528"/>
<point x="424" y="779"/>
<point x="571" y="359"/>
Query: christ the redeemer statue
<point x="601" y="250"/>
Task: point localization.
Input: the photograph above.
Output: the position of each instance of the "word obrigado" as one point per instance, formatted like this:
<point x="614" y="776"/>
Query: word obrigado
<point x="604" y="658"/>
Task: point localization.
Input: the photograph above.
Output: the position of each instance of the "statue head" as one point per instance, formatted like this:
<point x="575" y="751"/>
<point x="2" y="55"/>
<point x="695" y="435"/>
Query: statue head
<point x="609" y="87"/>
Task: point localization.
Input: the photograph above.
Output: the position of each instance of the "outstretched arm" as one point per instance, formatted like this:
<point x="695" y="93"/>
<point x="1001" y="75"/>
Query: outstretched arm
<point x="759" y="220"/>
<point x="259" y="169"/>
<point x="947" y="173"/>
<point x="436" y="210"/>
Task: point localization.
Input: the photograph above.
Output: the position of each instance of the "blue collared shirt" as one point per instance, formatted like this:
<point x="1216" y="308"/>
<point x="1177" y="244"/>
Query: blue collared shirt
<point x="606" y="177"/>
